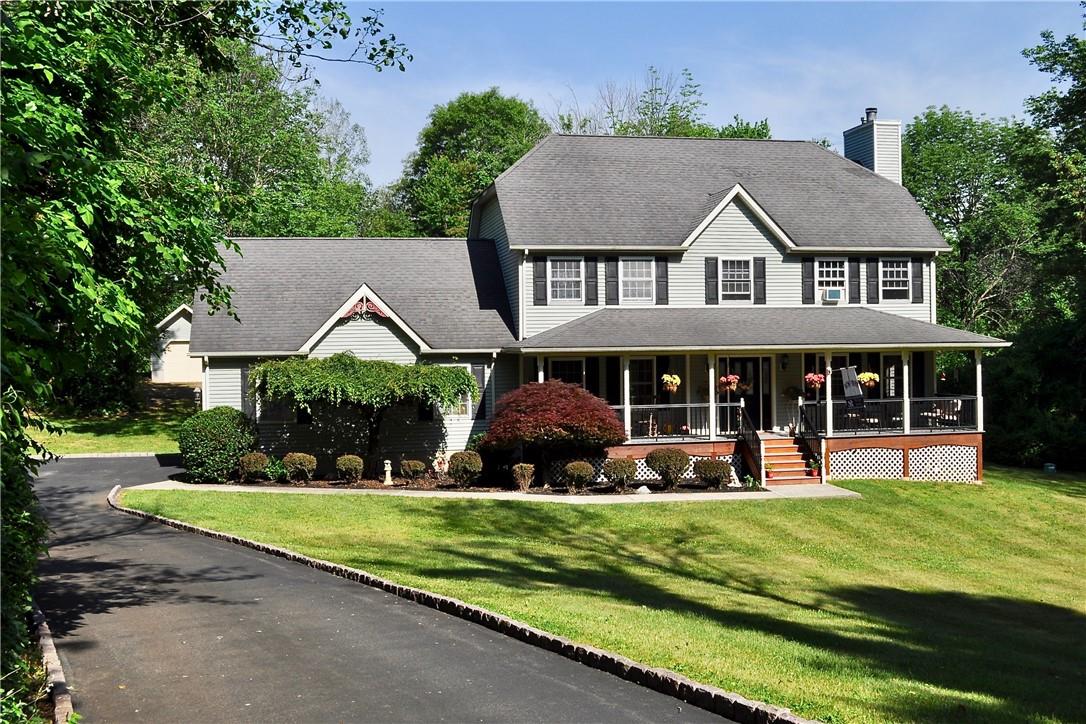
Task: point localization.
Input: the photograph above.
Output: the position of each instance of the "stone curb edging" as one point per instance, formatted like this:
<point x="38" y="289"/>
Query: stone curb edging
<point x="665" y="681"/>
<point x="54" y="672"/>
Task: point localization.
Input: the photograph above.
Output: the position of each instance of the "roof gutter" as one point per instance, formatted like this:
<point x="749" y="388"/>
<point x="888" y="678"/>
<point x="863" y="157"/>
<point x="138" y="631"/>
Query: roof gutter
<point x="755" y="347"/>
<point x="658" y="249"/>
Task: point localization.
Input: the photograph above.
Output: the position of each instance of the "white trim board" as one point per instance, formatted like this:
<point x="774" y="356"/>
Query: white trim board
<point x="173" y="315"/>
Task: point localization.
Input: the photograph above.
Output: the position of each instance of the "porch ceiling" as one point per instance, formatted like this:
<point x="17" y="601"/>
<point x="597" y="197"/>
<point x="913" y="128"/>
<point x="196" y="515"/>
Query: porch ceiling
<point x="696" y="328"/>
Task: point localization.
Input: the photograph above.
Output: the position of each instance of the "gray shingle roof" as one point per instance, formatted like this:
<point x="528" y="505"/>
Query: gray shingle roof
<point x="449" y="291"/>
<point x="729" y="327"/>
<point x="611" y="190"/>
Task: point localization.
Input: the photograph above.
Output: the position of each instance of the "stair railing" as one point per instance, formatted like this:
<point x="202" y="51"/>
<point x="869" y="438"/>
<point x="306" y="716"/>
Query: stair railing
<point x="749" y="435"/>
<point x="809" y="439"/>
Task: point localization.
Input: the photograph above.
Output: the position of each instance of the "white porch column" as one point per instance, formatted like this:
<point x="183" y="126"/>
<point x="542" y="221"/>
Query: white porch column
<point x="627" y="414"/>
<point x="978" y="355"/>
<point x="539" y="368"/>
<point x="829" y="394"/>
<point x="905" y="404"/>
<point x="712" y="396"/>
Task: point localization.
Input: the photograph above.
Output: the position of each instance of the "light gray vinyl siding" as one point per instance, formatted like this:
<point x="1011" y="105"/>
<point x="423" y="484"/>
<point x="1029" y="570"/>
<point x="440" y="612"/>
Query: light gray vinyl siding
<point x="541" y="318"/>
<point x="492" y="226"/>
<point x="888" y="150"/>
<point x="860" y="145"/>
<point x="735" y="233"/>
<point x="506" y="377"/>
<point x="224" y="383"/>
<point x="374" y="338"/>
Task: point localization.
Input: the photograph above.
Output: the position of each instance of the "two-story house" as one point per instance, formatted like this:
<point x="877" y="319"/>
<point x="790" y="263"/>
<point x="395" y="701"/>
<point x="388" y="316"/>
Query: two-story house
<point x="608" y="262"/>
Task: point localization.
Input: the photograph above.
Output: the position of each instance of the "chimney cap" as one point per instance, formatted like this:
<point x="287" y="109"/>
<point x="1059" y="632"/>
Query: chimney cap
<point x="870" y="114"/>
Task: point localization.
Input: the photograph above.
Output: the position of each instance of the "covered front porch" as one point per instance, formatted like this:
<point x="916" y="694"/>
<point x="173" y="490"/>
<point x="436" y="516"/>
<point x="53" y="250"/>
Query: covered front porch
<point x="723" y="393"/>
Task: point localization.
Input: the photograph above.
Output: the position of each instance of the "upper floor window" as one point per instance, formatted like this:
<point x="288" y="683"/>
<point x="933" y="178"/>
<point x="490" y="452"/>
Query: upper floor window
<point x="637" y="282"/>
<point x="832" y="274"/>
<point x="895" y="281"/>
<point x="735" y="281"/>
<point x="565" y="280"/>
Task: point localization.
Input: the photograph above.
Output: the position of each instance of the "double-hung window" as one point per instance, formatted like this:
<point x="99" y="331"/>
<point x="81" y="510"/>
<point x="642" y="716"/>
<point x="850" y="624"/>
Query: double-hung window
<point x="566" y="280"/>
<point x="894" y="279"/>
<point x="637" y="281"/>
<point x="832" y="274"/>
<point x="735" y="279"/>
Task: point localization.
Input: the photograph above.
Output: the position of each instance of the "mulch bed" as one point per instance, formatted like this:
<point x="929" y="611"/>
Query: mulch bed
<point x="434" y="483"/>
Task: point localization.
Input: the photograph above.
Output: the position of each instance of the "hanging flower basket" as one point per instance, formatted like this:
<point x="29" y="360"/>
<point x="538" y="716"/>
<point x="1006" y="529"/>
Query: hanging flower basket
<point x="671" y="383"/>
<point x="868" y="379"/>
<point x="727" y="383"/>
<point x="814" y="380"/>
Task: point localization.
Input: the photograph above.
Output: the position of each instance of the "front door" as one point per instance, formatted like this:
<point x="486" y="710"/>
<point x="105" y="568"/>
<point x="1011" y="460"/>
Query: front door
<point x="753" y="390"/>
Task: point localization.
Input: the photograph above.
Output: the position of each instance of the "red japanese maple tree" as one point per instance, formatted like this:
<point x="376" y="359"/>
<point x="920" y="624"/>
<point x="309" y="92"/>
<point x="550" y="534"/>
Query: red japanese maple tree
<point x="553" y="414"/>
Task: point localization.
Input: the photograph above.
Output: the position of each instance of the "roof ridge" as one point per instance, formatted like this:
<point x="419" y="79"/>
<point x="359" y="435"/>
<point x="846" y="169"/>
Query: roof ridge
<point x="686" y="138"/>
<point x="349" y="238"/>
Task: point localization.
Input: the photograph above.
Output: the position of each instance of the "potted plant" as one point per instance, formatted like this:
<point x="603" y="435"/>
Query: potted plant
<point x="727" y="383"/>
<point x="671" y="383"/>
<point x="768" y="471"/>
<point x="814" y="380"/>
<point x="868" y="379"/>
<point x="813" y="466"/>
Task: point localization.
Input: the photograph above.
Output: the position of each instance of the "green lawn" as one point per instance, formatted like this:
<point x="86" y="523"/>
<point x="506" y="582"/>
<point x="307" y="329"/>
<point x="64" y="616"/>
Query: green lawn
<point x="153" y="429"/>
<point x="920" y="602"/>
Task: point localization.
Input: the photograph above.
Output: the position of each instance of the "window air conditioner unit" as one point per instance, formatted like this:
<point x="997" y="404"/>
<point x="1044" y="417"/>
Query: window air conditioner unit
<point x="833" y="296"/>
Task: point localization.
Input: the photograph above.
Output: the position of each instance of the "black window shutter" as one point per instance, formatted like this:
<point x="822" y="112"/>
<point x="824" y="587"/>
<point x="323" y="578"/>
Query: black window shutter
<point x="854" y="280"/>
<point x="918" y="280"/>
<point x="610" y="281"/>
<point x="479" y="372"/>
<point x="712" y="281"/>
<point x="591" y="294"/>
<point x="808" y="280"/>
<point x="661" y="280"/>
<point x="759" y="280"/>
<point x="540" y="280"/>
<point x="872" y="280"/>
<point x="592" y="375"/>
<point x="614" y="380"/>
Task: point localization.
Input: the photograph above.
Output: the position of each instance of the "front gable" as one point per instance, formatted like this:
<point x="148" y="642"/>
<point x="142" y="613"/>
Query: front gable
<point x="368" y="327"/>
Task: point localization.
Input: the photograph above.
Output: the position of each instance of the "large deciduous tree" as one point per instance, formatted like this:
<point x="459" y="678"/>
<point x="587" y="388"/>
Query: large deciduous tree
<point x="464" y="146"/>
<point x="95" y="236"/>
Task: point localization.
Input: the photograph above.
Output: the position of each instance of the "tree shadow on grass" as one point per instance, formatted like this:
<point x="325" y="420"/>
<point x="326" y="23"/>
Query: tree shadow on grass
<point x="1026" y="655"/>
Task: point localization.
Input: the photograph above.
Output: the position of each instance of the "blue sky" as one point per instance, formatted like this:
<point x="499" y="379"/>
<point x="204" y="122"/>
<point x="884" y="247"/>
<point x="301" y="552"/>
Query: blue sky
<point x="811" y="68"/>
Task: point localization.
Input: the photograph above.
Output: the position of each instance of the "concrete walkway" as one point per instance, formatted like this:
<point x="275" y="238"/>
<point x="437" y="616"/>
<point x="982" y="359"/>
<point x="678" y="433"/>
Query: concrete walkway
<point x="780" y="492"/>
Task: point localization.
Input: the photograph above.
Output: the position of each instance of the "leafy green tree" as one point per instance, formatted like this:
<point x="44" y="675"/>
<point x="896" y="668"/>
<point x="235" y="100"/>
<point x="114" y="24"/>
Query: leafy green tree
<point x="464" y="146"/>
<point x="95" y="235"/>
<point x="965" y="172"/>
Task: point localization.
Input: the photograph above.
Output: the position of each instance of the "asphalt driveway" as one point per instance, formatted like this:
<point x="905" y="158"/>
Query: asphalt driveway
<point x="153" y="624"/>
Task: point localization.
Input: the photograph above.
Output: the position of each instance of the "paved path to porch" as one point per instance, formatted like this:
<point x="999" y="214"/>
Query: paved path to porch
<point x="777" y="492"/>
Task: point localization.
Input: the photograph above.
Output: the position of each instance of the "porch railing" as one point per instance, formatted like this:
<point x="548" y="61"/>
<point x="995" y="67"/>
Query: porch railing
<point x="728" y="419"/>
<point x="668" y="421"/>
<point x="926" y="414"/>
<point x="943" y="413"/>
<point x="873" y="416"/>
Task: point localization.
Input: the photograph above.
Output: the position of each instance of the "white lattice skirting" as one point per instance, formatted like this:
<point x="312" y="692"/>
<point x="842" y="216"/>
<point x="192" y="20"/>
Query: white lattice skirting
<point x="643" y="471"/>
<point x="867" y="462"/>
<point x="943" y="462"/>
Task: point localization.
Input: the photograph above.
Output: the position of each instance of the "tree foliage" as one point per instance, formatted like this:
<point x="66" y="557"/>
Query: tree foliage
<point x="553" y="414"/>
<point x="95" y="235"/>
<point x="465" y="144"/>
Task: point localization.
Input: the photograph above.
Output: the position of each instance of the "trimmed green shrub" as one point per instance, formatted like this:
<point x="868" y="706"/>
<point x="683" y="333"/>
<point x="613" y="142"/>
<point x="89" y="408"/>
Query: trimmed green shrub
<point x="252" y="466"/>
<point x="300" y="466"/>
<point x="578" y="474"/>
<point x="412" y="469"/>
<point x="620" y="472"/>
<point x="523" y="475"/>
<point x="465" y="467"/>
<point x="275" y="470"/>
<point x="669" y="463"/>
<point x="349" y="468"/>
<point x="213" y="441"/>
<point x="713" y="473"/>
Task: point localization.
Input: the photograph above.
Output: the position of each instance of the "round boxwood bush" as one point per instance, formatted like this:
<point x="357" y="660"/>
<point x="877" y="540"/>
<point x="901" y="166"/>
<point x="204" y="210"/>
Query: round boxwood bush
<point x="213" y="441"/>
<point x="349" y="468"/>
<point x="523" y="474"/>
<point x="252" y="467"/>
<point x="300" y="466"/>
<point x="713" y="473"/>
<point x="669" y="463"/>
<point x="412" y="469"/>
<point x="578" y="474"/>
<point x="465" y="467"/>
<point x="620" y="472"/>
